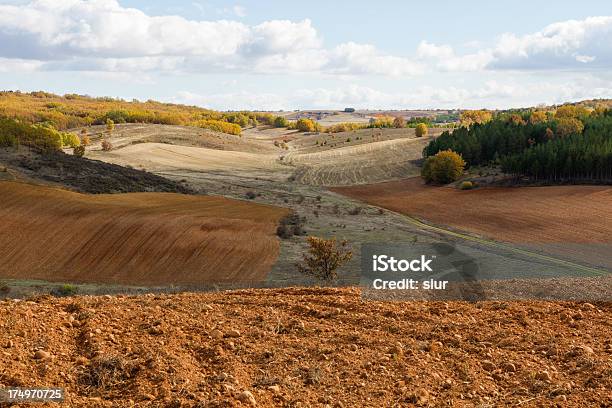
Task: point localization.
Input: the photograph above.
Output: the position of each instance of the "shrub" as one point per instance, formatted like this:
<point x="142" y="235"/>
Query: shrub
<point x="70" y="140"/>
<point x="421" y="130"/>
<point x="466" y="185"/>
<point x="79" y="151"/>
<point x="106" y="145"/>
<point x="110" y="125"/>
<point x="324" y="257"/>
<point x="284" y="232"/>
<point x="399" y="122"/>
<point x="280" y="122"/>
<point x="250" y="195"/>
<point x="41" y="136"/>
<point x="219" y="126"/>
<point x="307" y="125"/>
<point x="290" y="225"/>
<point x="381" y="122"/>
<point x="443" y="168"/>
<point x="65" y="290"/>
<point x="355" y="211"/>
<point x="343" y="127"/>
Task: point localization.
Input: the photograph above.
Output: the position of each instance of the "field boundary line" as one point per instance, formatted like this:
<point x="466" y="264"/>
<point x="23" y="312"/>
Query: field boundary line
<point x="423" y="225"/>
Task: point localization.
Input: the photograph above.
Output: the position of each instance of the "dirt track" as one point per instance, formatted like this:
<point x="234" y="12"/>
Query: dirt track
<point x="138" y="238"/>
<point x="308" y="347"/>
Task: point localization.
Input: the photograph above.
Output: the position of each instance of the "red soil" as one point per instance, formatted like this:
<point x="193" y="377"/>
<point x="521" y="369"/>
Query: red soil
<point x="307" y="348"/>
<point x="138" y="238"/>
<point x="565" y="214"/>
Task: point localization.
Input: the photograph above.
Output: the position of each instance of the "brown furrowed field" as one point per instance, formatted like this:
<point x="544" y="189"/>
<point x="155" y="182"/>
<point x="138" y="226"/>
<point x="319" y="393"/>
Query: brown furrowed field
<point x="134" y="239"/>
<point x="566" y="214"/>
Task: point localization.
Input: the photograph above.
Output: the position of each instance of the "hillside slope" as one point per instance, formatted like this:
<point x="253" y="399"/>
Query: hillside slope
<point x="307" y="347"/>
<point x="134" y="238"/>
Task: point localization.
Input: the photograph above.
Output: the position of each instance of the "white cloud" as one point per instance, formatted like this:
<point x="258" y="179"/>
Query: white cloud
<point x="494" y="93"/>
<point x="573" y="44"/>
<point x="18" y="65"/>
<point x="563" y="45"/>
<point x="351" y="58"/>
<point x="103" y="35"/>
<point x="242" y="100"/>
<point x="445" y="59"/>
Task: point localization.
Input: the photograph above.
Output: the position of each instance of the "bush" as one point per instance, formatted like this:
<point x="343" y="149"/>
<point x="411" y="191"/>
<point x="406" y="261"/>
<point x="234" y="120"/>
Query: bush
<point x="219" y="126"/>
<point x="324" y="257"/>
<point x="250" y="195"/>
<point x="65" y="290"/>
<point x="443" y="168"/>
<point x="79" y="151"/>
<point x="70" y="140"/>
<point x="343" y="127"/>
<point x="381" y="122"/>
<point x="290" y="225"/>
<point x="399" y="122"/>
<point x="85" y="140"/>
<point x="355" y="211"/>
<point x="307" y="125"/>
<point x="110" y="125"/>
<point x="466" y="185"/>
<point x="106" y="145"/>
<point x="280" y="122"/>
<point x="421" y="130"/>
<point x="41" y="136"/>
<point x="284" y="232"/>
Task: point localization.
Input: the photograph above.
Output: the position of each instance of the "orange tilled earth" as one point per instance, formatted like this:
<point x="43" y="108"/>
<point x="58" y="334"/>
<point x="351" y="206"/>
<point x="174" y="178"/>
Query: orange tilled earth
<point x="562" y="214"/>
<point x="134" y="239"/>
<point x="307" y="347"/>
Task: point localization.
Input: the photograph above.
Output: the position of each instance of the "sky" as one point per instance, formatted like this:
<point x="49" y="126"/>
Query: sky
<point x="272" y="55"/>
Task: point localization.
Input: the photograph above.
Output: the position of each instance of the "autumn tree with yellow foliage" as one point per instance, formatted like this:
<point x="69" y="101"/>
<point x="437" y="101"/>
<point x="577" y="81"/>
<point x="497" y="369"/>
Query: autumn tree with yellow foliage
<point x="471" y="117"/>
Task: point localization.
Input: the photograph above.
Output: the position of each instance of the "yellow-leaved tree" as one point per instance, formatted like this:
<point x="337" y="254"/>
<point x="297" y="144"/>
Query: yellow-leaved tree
<point x="443" y="168"/>
<point x="421" y="130"/>
<point x="471" y="117"/>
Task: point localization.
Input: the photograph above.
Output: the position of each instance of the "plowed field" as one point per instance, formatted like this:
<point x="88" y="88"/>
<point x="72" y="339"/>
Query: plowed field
<point x="307" y="347"/>
<point x="137" y="238"/>
<point x="559" y="214"/>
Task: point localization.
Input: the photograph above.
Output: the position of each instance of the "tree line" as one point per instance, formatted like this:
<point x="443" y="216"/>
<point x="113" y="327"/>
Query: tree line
<point x="569" y="144"/>
<point x="75" y="111"/>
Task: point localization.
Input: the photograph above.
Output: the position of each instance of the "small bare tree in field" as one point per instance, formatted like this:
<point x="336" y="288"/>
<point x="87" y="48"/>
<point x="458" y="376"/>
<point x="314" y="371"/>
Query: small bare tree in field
<point x="324" y="257"/>
<point x="106" y="145"/>
<point x="85" y="140"/>
<point x="399" y="122"/>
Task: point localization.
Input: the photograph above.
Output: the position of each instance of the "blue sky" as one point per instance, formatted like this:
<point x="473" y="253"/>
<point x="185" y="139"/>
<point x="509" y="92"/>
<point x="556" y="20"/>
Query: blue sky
<point x="315" y="54"/>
